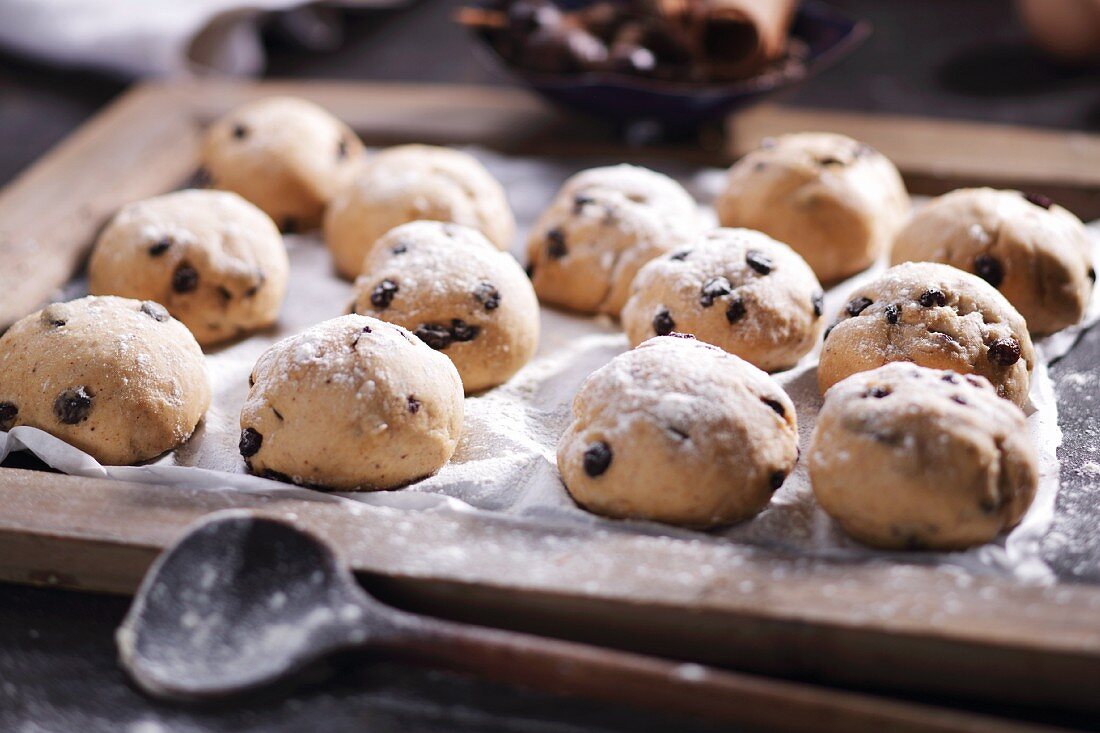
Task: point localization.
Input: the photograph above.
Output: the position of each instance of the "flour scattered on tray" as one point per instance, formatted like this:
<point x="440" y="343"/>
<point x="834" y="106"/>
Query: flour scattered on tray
<point x="505" y="465"/>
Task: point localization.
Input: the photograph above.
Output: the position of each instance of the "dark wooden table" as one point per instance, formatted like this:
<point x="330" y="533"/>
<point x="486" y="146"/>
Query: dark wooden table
<point x="952" y="58"/>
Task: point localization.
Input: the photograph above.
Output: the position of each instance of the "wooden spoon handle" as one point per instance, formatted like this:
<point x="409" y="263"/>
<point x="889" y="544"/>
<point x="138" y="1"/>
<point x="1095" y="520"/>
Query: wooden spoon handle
<point x="730" y="697"/>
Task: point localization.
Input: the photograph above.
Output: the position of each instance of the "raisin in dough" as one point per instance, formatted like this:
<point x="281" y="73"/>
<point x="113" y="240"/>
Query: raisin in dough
<point x="735" y="288"/>
<point x="214" y="260"/>
<point x="286" y="155"/>
<point x="411" y="183"/>
<point x="351" y="403"/>
<point x="1037" y="254"/>
<point x="835" y="201"/>
<point x="119" y="379"/>
<point x="936" y="316"/>
<point x="458" y="293"/>
<point x="905" y="457"/>
<point x="603" y="225"/>
<point x="678" y="431"/>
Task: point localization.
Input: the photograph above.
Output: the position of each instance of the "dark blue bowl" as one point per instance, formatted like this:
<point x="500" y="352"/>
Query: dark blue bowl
<point x="826" y="34"/>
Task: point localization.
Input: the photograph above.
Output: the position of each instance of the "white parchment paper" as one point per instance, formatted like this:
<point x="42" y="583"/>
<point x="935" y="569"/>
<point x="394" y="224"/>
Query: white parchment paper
<point x="505" y="464"/>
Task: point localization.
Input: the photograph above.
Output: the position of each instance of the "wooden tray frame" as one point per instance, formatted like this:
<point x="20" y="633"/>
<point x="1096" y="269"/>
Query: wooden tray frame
<point x="840" y="623"/>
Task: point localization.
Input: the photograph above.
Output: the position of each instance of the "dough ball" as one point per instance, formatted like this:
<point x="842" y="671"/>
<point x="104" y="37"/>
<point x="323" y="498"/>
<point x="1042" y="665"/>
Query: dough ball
<point x="460" y="295"/>
<point x="905" y="457"/>
<point x="351" y="403"/>
<point x="119" y="379"/>
<point x="1036" y="253"/>
<point x="603" y="225"/>
<point x="215" y="261"/>
<point x="936" y="316"/>
<point x="678" y="431"/>
<point x="735" y="288"/>
<point x="411" y="183"/>
<point x="835" y="201"/>
<point x="286" y="155"/>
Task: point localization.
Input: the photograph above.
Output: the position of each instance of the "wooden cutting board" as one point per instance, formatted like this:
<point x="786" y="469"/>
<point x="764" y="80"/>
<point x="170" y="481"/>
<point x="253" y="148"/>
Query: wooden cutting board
<point x="903" y="627"/>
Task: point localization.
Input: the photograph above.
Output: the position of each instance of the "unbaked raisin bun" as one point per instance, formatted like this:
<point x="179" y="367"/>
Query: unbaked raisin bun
<point x="1032" y="250"/>
<point x="735" y="288"/>
<point x="413" y="183"/>
<point x="286" y="155"/>
<point x="215" y="261"/>
<point x="936" y="316"/>
<point x="458" y="293"/>
<point x="603" y="225"/>
<point x="678" y="431"/>
<point x="906" y="458"/>
<point x="834" y="200"/>
<point x="352" y="403"/>
<point x="119" y="379"/>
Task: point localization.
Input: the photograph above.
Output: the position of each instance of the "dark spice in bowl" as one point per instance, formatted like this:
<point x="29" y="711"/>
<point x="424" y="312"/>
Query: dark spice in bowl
<point x="680" y="40"/>
<point x="667" y="77"/>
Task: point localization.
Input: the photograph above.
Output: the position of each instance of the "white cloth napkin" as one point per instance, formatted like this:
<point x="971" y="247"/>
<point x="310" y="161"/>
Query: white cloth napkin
<point x="136" y="38"/>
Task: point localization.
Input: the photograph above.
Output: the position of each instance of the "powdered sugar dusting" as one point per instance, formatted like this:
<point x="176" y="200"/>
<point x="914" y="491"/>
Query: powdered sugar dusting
<point x="505" y="464"/>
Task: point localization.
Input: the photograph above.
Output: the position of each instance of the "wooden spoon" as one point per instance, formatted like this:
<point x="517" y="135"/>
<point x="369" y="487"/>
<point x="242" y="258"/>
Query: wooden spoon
<point x="242" y="601"/>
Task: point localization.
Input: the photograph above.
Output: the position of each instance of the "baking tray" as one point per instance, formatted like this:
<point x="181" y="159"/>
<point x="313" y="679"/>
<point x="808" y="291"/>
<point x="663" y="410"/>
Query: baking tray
<point x="859" y="623"/>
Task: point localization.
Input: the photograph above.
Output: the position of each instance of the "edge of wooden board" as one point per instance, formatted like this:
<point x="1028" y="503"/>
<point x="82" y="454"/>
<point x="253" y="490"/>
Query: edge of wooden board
<point x="938" y="146"/>
<point x="136" y="147"/>
<point x="937" y="155"/>
<point x="855" y="623"/>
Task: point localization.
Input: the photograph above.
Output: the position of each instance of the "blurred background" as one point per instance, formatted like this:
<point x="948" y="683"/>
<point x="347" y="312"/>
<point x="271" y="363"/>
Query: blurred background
<point x="1029" y="62"/>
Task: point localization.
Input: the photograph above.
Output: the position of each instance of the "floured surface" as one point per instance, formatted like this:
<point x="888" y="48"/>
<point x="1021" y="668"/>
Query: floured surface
<point x="505" y="463"/>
